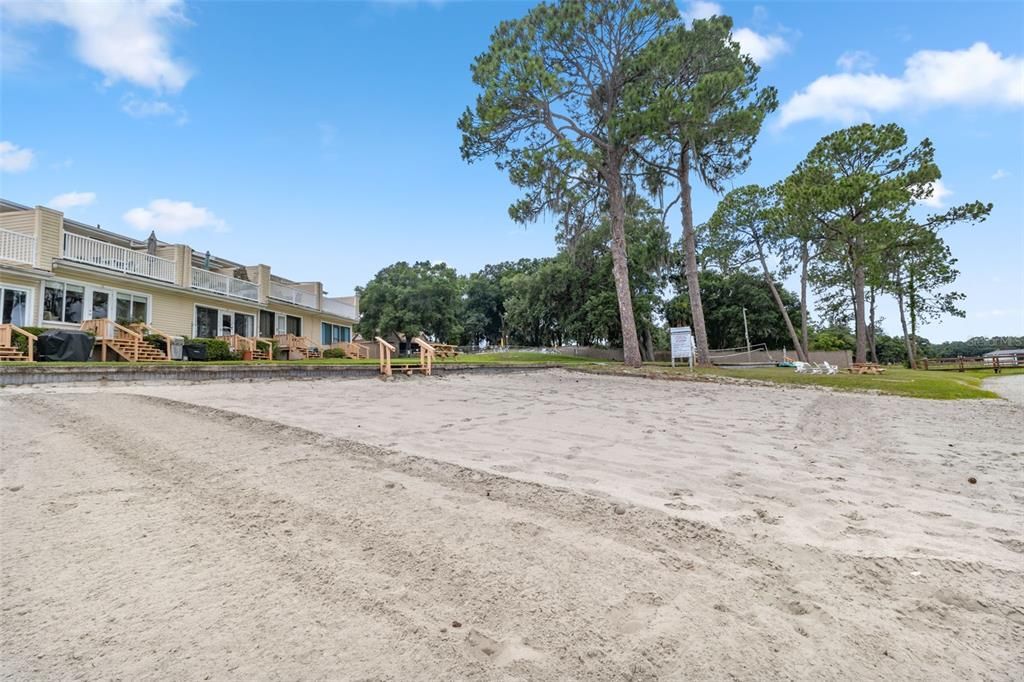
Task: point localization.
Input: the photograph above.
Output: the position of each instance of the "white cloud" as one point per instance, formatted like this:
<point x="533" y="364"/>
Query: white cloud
<point x="123" y="39"/>
<point x="62" y="165"/>
<point x="147" y="108"/>
<point x="1000" y="174"/>
<point x="937" y="198"/>
<point x="977" y="76"/>
<point x="165" y="215"/>
<point x="856" y="60"/>
<point x="761" y="48"/>
<point x="15" y="159"/>
<point x="701" y="10"/>
<point x="62" y="202"/>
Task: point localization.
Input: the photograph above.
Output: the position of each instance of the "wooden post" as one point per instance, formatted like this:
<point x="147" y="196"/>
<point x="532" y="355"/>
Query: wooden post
<point x="995" y="364"/>
<point x="960" y="360"/>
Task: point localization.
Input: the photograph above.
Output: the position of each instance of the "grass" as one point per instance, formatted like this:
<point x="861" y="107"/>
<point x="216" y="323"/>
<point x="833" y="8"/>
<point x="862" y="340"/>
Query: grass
<point x="896" y="381"/>
<point x="936" y="385"/>
<point x="510" y="358"/>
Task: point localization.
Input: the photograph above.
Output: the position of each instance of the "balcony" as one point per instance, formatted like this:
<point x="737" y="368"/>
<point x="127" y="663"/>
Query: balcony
<point x="117" y="258"/>
<point x="339" y="308"/>
<point x="17" y="247"/>
<point x="204" y="280"/>
<point x="293" y="295"/>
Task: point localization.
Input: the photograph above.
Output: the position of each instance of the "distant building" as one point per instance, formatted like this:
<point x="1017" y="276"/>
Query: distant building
<point x="58" y="273"/>
<point x="1007" y="357"/>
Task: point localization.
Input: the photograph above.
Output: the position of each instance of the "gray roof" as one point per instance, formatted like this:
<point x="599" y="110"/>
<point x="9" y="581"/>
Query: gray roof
<point x="1008" y="351"/>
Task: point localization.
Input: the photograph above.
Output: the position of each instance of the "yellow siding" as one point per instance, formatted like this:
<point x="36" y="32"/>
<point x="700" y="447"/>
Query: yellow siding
<point x="49" y="236"/>
<point x="22" y="222"/>
<point x="172" y="312"/>
<point x="23" y="282"/>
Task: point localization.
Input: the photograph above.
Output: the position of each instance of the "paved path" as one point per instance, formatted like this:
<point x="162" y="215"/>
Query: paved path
<point x="1010" y="387"/>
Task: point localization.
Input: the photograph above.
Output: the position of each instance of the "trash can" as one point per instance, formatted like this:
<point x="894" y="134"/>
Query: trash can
<point x="177" y="343"/>
<point x="193" y="351"/>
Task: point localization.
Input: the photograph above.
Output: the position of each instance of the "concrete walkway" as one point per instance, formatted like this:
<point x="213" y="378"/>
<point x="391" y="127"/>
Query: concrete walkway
<point x="1010" y="387"/>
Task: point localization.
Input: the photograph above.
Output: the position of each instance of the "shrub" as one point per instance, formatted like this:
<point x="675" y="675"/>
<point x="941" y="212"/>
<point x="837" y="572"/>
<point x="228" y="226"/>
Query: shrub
<point x="334" y="353"/>
<point x="21" y="342"/>
<point x="216" y="349"/>
<point x="157" y="341"/>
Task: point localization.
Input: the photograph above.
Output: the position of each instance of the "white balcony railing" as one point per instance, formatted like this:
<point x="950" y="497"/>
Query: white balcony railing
<point x="339" y="308"/>
<point x="17" y="247"/>
<point x="113" y="257"/>
<point x="222" y="284"/>
<point x="296" y="296"/>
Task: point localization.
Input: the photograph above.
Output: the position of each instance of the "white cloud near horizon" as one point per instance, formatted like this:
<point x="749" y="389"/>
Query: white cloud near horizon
<point x="1000" y="174"/>
<point x="937" y="199"/>
<point x="122" y="39"/>
<point x="176" y="217"/>
<point x="15" y="159"/>
<point x="976" y="76"/>
<point x="761" y="48"/>
<point x="62" y="202"/>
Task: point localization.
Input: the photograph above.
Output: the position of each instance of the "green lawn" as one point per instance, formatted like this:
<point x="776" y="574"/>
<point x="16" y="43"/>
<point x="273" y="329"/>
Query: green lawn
<point x="938" y="385"/>
<point x="896" y="381"/>
<point x="511" y="358"/>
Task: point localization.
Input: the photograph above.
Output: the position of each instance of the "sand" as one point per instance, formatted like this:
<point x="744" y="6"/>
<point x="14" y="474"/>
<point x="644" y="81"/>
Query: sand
<point x="549" y="525"/>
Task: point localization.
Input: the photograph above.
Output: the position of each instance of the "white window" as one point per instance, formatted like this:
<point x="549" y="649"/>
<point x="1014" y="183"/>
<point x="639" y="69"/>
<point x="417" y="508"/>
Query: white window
<point x="132" y="308"/>
<point x="15" y="305"/>
<point x="63" y="302"/>
<point x="213" y="322"/>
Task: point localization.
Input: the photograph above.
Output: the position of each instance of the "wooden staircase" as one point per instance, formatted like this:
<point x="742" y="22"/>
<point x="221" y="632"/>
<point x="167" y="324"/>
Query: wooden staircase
<point x="303" y="346"/>
<point x="12" y="354"/>
<point x="125" y="343"/>
<point x="8" y="351"/>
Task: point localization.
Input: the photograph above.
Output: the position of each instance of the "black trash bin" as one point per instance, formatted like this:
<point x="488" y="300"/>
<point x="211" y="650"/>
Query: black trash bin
<point x="193" y="351"/>
<point x="59" y="345"/>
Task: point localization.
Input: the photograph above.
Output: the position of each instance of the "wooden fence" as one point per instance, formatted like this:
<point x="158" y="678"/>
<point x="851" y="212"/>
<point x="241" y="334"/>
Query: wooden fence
<point x="961" y="363"/>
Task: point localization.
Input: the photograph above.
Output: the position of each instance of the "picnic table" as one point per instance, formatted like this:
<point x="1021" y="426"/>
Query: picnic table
<point x="865" y="368"/>
<point x="445" y="350"/>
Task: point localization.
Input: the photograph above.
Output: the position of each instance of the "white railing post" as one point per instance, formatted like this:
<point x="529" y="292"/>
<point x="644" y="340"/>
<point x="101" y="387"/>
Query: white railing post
<point x="17" y="247"/>
<point x="113" y="257"/>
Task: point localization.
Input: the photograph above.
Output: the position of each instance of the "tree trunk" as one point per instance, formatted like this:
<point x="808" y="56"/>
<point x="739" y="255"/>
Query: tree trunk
<point x="805" y="257"/>
<point x="700" y="333"/>
<point x="906" y="332"/>
<point x="912" y="301"/>
<point x="858" y="313"/>
<point x="872" y="344"/>
<point x="620" y="267"/>
<point x="648" y="345"/>
<point x="800" y="352"/>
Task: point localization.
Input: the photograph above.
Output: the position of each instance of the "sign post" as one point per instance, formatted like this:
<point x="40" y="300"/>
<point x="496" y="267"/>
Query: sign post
<point x="682" y="344"/>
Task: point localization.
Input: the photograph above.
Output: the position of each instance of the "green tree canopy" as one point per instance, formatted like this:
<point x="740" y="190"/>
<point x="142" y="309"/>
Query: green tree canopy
<point x="422" y="298"/>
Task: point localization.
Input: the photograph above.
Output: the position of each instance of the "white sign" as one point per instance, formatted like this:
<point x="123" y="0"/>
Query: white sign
<point x="682" y="344"/>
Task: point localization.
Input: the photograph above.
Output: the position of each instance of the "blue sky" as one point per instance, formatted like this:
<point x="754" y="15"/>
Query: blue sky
<point x="320" y="137"/>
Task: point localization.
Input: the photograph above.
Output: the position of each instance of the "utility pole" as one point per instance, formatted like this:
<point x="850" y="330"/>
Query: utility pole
<point x="746" y="333"/>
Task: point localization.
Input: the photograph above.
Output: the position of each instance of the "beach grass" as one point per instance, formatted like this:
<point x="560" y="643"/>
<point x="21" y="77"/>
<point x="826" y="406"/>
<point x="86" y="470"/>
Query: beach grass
<point x="934" y="385"/>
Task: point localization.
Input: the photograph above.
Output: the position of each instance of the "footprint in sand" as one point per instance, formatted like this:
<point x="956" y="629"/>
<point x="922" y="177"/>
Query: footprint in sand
<point x="489" y="650"/>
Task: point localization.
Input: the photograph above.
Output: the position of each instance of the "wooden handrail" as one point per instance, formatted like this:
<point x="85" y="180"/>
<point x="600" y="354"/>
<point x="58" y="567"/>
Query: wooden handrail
<point x="386" y="349"/>
<point x="6" y="333"/>
<point x="427" y="354"/>
<point x="99" y="328"/>
<point x="153" y="330"/>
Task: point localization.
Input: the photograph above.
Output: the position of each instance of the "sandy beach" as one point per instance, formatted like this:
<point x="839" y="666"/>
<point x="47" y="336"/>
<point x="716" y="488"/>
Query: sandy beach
<point x="544" y="525"/>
